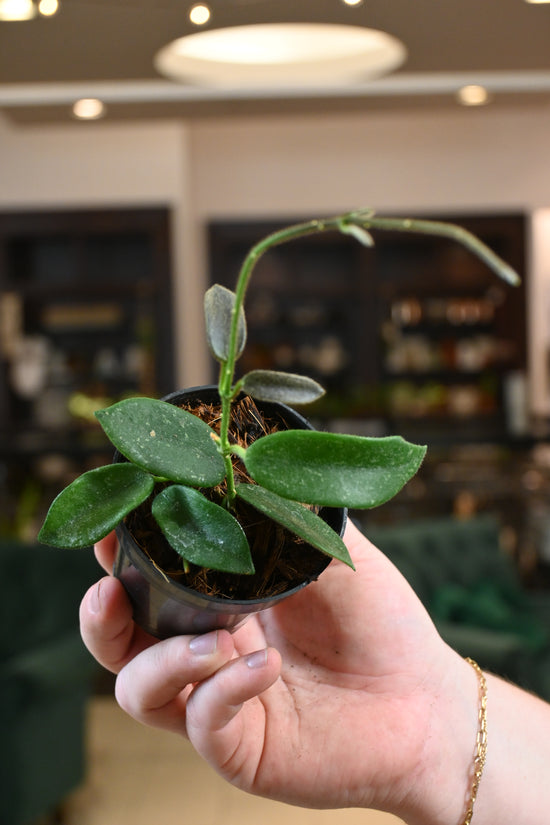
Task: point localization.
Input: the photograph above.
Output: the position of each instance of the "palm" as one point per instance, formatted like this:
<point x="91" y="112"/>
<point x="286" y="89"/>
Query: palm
<point x="346" y="656"/>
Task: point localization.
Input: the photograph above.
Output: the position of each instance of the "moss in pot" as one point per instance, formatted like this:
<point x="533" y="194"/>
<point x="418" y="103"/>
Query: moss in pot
<point x="204" y="491"/>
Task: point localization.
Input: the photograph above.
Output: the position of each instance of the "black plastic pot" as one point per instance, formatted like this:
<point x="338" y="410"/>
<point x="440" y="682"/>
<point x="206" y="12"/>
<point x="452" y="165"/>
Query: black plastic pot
<point x="165" y="607"/>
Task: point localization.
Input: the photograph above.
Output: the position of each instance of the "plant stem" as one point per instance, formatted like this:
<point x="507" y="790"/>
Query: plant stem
<point x="226" y="389"/>
<point x="226" y="398"/>
<point x="364" y="219"/>
<point x="454" y="233"/>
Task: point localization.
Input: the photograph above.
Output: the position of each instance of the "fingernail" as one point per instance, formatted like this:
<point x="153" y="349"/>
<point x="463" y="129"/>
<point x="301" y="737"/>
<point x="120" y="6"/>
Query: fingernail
<point x="95" y="599"/>
<point x="204" y="645"/>
<point x="257" y="659"/>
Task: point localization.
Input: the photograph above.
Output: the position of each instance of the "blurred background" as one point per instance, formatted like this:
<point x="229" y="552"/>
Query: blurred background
<point x="132" y="177"/>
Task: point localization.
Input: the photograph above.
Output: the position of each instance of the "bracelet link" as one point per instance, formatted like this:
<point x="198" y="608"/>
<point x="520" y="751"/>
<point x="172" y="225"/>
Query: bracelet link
<point x="481" y="740"/>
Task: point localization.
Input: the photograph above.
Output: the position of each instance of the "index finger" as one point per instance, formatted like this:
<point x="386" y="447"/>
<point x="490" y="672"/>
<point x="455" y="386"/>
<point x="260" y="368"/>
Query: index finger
<point x="106" y="550"/>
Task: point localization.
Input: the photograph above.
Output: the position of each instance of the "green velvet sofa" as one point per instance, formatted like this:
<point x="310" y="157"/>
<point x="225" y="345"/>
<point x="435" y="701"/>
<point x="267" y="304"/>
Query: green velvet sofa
<point x="46" y="676"/>
<point x="474" y="595"/>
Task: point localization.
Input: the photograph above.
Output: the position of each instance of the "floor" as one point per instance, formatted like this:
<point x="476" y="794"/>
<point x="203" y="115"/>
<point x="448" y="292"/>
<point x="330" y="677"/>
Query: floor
<point x="138" y="776"/>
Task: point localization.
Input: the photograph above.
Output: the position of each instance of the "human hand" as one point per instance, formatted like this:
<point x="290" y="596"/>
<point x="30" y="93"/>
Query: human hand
<point x="342" y="695"/>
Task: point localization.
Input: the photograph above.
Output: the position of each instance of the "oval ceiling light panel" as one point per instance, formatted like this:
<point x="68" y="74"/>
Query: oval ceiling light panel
<point x="17" y="10"/>
<point x="279" y="54"/>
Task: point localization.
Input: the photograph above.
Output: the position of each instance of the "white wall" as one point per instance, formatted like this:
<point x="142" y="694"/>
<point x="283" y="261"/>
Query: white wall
<point x="452" y="159"/>
<point x="539" y="313"/>
<point x="493" y="159"/>
<point x="90" y="164"/>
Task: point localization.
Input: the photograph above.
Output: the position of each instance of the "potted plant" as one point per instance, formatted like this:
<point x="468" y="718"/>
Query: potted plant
<point x="225" y="499"/>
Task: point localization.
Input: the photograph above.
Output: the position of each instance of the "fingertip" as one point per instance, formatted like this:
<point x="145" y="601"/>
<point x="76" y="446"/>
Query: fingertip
<point x="105" y="551"/>
<point x="213" y="642"/>
<point x="106" y="599"/>
<point x="274" y="662"/>
<point x="257" y="660"/>
<point x="93" y="599"/>
<point x="218" y="700"/>
<point x="264" y="667"/>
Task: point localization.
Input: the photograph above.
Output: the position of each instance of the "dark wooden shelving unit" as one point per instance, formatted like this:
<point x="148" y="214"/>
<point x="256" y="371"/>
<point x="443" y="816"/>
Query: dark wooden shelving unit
<point x="415" y="332"/>
<point x="414" y="336"/>
<point x="85" y="302"/>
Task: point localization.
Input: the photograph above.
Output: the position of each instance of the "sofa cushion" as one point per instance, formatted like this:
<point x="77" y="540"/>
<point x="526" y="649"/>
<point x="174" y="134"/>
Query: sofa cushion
<point x="487" y="605"/>
<point x="42" y="589"/>
<point x="433" y="552"/>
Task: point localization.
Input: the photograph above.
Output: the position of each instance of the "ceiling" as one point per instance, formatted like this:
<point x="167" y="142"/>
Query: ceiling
<point x="105" y="48"/>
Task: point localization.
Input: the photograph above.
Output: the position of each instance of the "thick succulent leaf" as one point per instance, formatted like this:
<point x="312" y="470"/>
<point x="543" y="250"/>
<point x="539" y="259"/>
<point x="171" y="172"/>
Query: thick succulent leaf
<point x="284" y="387"/>
<point x="165" y="440"/>
<point x="297" y="518"/>
<point x="218" y="309"/>
<point x="93" y="505"/>
<point x="202" y="532"/>
<point x="331" y="469"/>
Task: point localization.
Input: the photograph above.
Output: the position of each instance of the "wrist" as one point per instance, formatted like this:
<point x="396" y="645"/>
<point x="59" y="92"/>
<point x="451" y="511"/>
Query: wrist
<point x="514" y="787"/>
<point x="441" y="789"/>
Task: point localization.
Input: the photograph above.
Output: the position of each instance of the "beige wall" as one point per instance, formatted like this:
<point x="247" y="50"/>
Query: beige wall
<point x="452" y="160"/>
<point x="90" y="164"/>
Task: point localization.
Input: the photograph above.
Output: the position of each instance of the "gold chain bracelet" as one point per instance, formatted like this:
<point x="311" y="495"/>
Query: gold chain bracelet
<point x="481" y="740"/>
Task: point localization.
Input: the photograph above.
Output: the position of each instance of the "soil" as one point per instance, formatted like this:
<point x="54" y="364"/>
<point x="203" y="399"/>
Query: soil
<point x="281" y="559"/>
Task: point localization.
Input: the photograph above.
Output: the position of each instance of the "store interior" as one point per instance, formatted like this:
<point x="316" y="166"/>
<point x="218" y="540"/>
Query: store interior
<point x="111" y="229"/>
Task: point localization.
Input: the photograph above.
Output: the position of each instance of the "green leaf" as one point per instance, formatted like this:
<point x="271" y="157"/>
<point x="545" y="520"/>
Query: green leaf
<point x="270" y="385"/>
<point x="297" y="518"/>
<point x="165" y="440"/>
<point x="92" y="506"/>
<point x="331" y="469"/>
<point x="358" y="232"/>
<point x="202" y="532"/>
<point x="218" y="310"/>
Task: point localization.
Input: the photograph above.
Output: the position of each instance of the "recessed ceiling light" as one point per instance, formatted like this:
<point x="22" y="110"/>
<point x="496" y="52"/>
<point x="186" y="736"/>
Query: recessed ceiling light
<point x="48" y="7"/>
<point x="17" y="10"/>
<point x="537" y="1"/>
<point x="280" y="54"/>
<point x="199" y="14"/>
<point x="352" y="2"/>
<point x="88" y="108"/>
<point x="473" y="95"/>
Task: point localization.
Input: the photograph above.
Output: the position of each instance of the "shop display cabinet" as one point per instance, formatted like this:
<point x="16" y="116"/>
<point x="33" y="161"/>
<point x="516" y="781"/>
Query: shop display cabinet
<point x="85" y="319"/>
<point x="415" y="334"/>
<point x="416" y="337"/>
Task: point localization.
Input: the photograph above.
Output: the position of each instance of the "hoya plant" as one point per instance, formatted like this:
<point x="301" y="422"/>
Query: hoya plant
<point x="176" y="458"/>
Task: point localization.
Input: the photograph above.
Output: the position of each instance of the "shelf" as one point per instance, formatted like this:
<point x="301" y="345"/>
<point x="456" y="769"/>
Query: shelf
<point x="412" y="309"/>
<point x="71" y="443"/>
<point x="447" y="376"/>
<point x="88" y="295"/>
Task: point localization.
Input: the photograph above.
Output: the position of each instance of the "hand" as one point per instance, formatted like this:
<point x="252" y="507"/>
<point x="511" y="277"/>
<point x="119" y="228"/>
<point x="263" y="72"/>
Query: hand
<point x="339" y="696"/>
